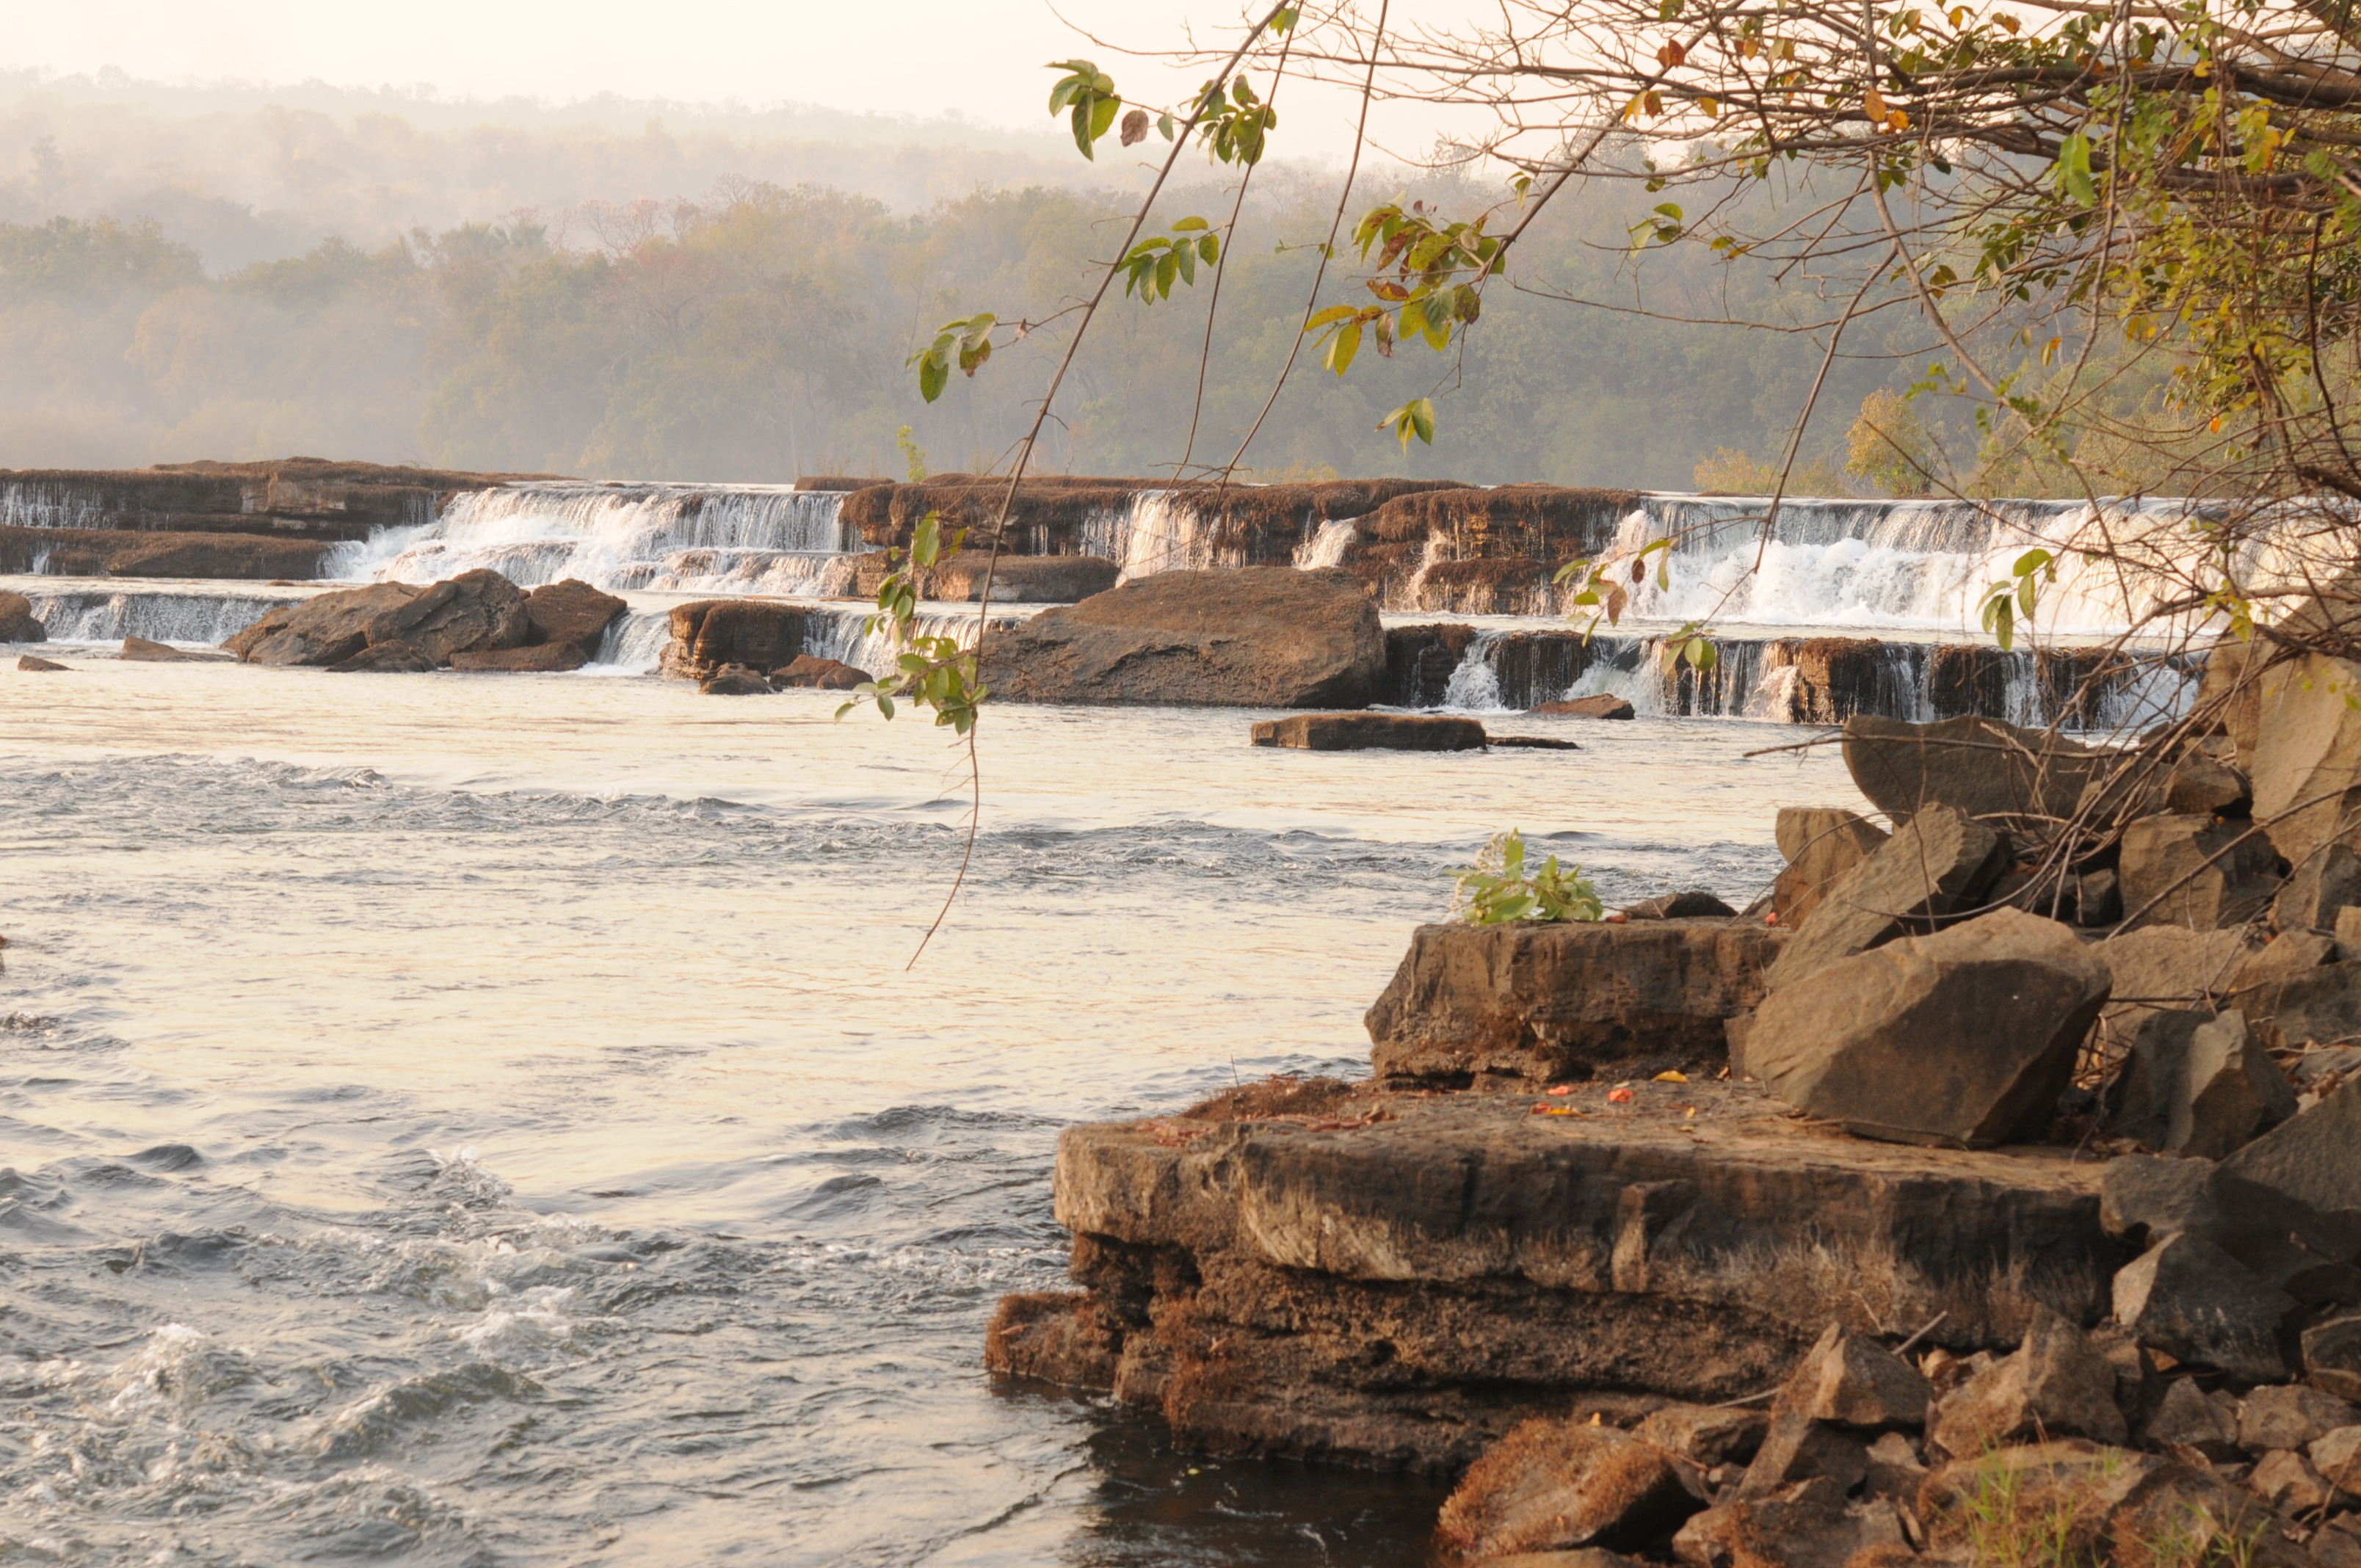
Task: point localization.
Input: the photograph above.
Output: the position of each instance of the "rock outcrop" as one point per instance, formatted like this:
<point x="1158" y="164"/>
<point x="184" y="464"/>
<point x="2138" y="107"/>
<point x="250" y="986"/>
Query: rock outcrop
<point x="1528" y="1003"/>
<point x="1966" y="1037"/>
<point x="17" y="621"/>
<point x="92" y="552"/>
<point x="474" y="611"/>
<point x="1262" y="637"/>
<point x="1937" y="865"/>
<point x="570" y="613"/>
<point x="809" y="670"/>
<point x="326" y="629"/>
<point x="479" y="617"/>
<point x="709" y="634"/>
<point x="2306" y="756"/>
<point x="1369" y="732"/>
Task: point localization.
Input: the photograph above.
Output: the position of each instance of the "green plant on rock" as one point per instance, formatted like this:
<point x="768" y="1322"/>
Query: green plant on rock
<point x="934" y="672"/>
<point x="1497" y="889"/>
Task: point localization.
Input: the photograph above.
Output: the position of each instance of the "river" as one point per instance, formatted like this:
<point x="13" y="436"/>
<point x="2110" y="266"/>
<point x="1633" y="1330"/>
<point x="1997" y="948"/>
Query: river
<point x="495" y="1119"/>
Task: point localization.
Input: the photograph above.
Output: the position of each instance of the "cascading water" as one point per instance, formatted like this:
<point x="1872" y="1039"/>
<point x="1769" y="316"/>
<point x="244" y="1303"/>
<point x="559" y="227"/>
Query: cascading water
<point x="1902" y="565"/>
<point x="185" y="616"/>
<point x="688" y="538"/>
<point x="1157" y="532"/>
<point x="1327" y="547"/>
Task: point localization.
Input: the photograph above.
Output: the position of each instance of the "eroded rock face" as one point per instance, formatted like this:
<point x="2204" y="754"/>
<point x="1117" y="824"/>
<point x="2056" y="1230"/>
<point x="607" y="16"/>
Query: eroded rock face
<point x="1369" y="732"/>
<point x="2189" y="1298"/>
<point x="1822" y="843"/>
<point x="1260" y="637"/>
<point x="1936" y="865"/>
<point x="17" y="621"/>
<point x="326" y="629"/>
<point x="534" y="658"/>
<point x="1527" y="1003"/>
<point x="1980" y="767"/>
<point x="1555" y="1485"/>
<point x="1966" y="1037"/>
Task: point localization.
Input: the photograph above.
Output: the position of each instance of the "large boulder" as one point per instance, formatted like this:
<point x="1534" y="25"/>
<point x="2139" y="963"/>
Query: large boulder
<point x="1259" y="637"/>
<point x="326" y="629"/>
<point x="709" y="633"/>
<point x="2303" y="1176"/>
<point x="2192" y="1300"/>
<point x="532" y="658"/>
<point x="1370" y="733"/>
<point x="2306" y="762"/>
<point x="810" y="671"/>
<point x="1554" y="1485"/>
<point x="1530" y="1002"/>
<point x="2018" y="778"/>
<point x="1938" y="864"/>
<point x="1820" y="843"/>
<point x="2195" y="871"/>
<point x="1967" y="1036"/>
<point x="570" y="613"/>
<point x="472" y="611"/>
<point x="17" y="621"/>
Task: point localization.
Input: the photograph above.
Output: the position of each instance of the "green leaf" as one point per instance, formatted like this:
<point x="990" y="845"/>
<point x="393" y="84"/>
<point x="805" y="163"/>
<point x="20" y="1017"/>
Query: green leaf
<point x="1209" y="248"/>
<point x="1283" y="19"/>
<point x="1414" y="418"/>
<point x="1187" y="224"/>
<point x="934" y="374"/>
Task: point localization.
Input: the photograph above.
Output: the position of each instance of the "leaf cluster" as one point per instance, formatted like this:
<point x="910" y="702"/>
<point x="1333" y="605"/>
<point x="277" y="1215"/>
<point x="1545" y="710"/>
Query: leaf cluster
<point x="1500" y="888"/>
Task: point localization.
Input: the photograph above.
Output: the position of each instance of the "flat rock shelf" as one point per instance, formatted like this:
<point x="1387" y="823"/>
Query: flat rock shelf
<point x="1397" y="1279"/>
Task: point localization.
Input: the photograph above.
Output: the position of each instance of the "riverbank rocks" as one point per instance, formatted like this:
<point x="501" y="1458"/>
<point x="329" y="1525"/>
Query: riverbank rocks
<point x="1258" y="637"/>
<point x="1940" y="862"/>
<point x="2306" y="758"/>
<point x="1603" y="706"/>
<point x="325" y="629"/>
<point x="709" y="634"/>
<point x="1822" y="843"/>
<point x="2055" y="1384"/>
<point x="33" y="662"/>
<point x="1369" y="732"/>
<point x="2191" y="1299"/>
<point x="532" y="658"/>
<point x="735" y="680"/>
<point x="143" y="651"/>
<point x="1554" y="1485"/>
<point x="2014" y="778"/>
<point x="17" y="621"/>
<point x="1530" y="1003"/>
<point x="2195" y="871"/>
<point x="812" y="672"/>
<point x="1967" y="1036"/>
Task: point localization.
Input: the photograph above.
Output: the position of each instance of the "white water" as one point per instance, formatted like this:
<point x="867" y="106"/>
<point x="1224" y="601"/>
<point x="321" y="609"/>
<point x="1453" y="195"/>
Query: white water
<point x="688" y="538"/>
<point x="189" y="615"/>
<point x="1327" y="547"/>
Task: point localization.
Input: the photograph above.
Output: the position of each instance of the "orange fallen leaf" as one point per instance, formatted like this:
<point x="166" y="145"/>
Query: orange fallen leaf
<point x="1672" y="1078"/>
<point x="1619" y="1097"/>
<point x="1561" y="1089"/>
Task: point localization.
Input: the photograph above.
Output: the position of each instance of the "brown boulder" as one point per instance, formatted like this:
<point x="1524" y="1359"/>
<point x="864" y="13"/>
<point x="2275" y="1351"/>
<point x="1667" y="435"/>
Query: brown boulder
<point x="735" y="680"/>
<point x="1938" y="864"/>
<point x="1023" y="579"/>
<point x="2188" y="1297"/>
<point x="1258" y="637"/>
<point x="385" y="659"/>
<point x="29" y="662"/>
<point x="17" y="621"/>
<point x="1369" y="732"/>
<point x="1851" y="1379"/>
<point x="570" y="613"/>
<point x="2195" y="871"/>
<point x="245" y="556"/>
<point x="1822" y="843"/>
<point x="1967" y="1036"/>
<point x="2056" y="1383"/>
<point x="538" y="658"/>
<point x="825" y="674"/>
<point x="325" y="629"/>
<point x="140" y="650"/>
<point x="2306" y="762"/>
<point x="1554" y="1486"/>
<point x="1809" y="1524"/>
<point x="1603" y="706"/>
<point x="709" y="634"/>
<point x="1981" y="767"/>
<point x="1530" y="1003"/>
<point x="472" y="611"/>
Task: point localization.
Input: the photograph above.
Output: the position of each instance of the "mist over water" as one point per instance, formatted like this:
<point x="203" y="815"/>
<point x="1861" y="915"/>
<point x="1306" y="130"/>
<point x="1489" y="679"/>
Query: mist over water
<point x="489" y="1121"/>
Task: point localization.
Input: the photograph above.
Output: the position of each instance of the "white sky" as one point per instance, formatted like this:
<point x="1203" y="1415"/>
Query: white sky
<point x="980" y="57"/>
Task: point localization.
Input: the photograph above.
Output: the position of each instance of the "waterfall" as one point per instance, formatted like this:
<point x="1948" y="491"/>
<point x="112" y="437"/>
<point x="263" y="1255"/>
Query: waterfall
<point x="696" y="538"/>
<point x="1156" y="532"/>
<point x="1327" y="547"/>
<point x="160" y="615"/>
<point x="35" y="503"/>
<point x="1475" y="685"/>
<point x="631" y="645"/>
<point x="1904" y="564"/>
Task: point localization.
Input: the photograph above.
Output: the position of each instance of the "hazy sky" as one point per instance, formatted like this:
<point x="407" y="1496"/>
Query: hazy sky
<point x="978" y="58"/>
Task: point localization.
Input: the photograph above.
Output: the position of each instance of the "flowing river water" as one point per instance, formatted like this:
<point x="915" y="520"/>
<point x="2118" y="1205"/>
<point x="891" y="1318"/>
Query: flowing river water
<point x="492" y="1120"/>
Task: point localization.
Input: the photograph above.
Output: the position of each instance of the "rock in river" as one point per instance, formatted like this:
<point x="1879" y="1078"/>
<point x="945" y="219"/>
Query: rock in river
<point x="1258" y="637"/>
<point x="17" y="621"/>
<point x="1369" y="732"/>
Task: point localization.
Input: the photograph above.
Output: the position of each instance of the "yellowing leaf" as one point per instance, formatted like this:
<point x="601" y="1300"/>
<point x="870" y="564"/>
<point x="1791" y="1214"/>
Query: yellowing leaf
<point x="1672" y="1078"/>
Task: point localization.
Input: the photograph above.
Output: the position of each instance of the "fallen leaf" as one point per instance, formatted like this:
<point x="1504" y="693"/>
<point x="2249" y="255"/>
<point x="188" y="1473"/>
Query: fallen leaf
<point x="1561" y="1089"/>
<point x="1672" y="1078"/>
<point x="1619" y="1097"/>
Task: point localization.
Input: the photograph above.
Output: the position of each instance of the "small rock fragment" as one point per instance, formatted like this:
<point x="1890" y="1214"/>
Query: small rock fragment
<point x="1853" y="1380"/>
<point x="1696" y="904"/>
<point x="34" y="661"/>
<point x="1797" y="1448"/>
<point x="1603" y="706"/>
<point x="1706" y="1435"/>
<point x="2337" y="1456"/>
<point x="2191" y="1418"/>
<point x="1369" y="732"/>
<point x="2288" y="1482"/>
<point x="1895" y="1468"/>
<point x="2055" y="1385"/>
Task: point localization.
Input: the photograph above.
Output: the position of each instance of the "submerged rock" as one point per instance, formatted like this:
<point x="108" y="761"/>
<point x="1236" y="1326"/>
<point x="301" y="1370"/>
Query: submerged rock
<point x="532" y="658"/>
<point x="1258" y="637"/>
<point x="735" y="680"/>
<point x="1603" y="706"/>
<point x="1532" y="1003"/>
<point x="142" y="650"/>
<point x="1369" y="732"/>
<point x="809" y="670"/>
<point x="1966" y="1037"/>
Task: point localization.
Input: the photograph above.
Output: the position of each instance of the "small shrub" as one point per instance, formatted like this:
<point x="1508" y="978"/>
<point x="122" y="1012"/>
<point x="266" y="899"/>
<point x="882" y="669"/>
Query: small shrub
<point x="1496" y="890"/>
